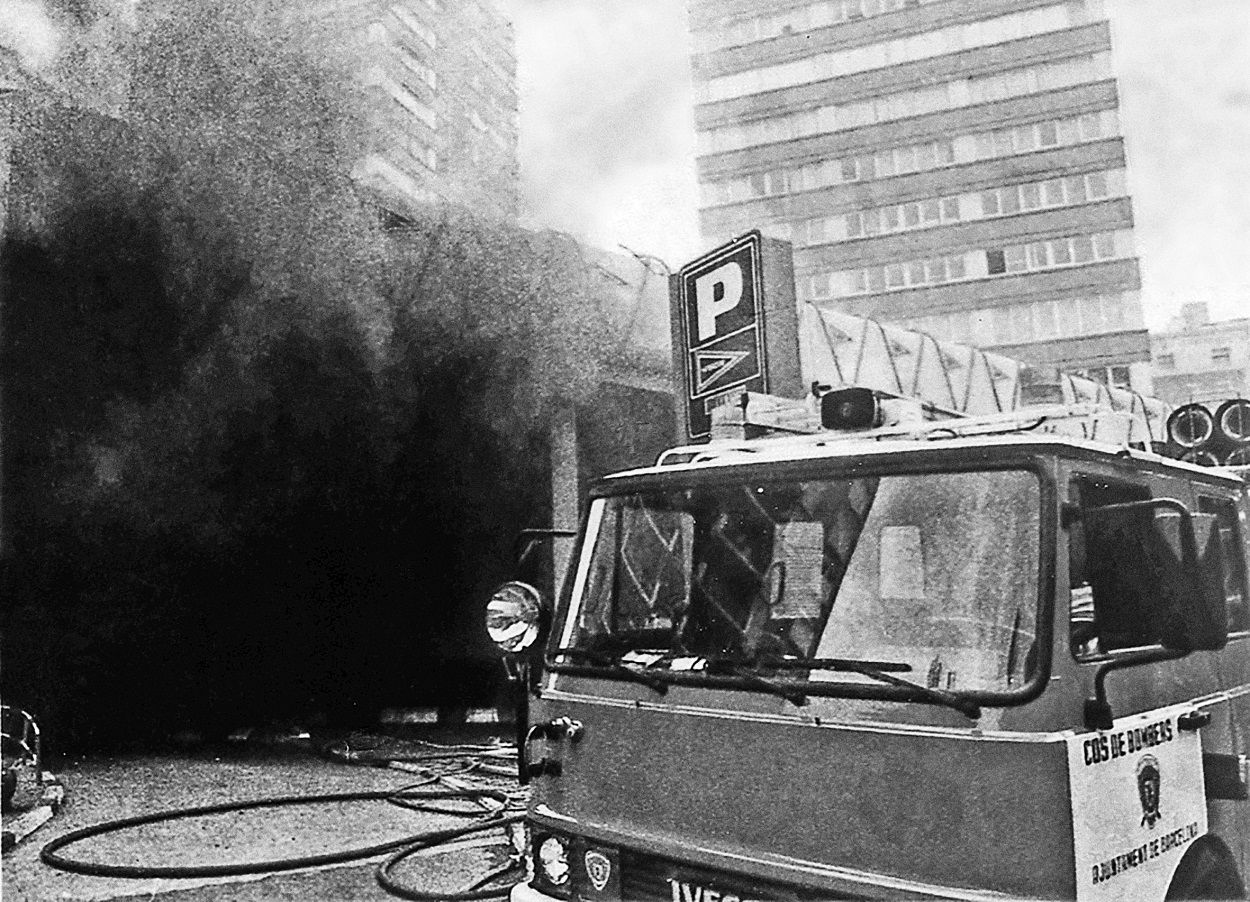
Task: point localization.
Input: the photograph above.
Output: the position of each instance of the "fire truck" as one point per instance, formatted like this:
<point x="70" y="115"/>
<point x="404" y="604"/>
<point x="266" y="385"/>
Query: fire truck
<point x="938" y="628"/>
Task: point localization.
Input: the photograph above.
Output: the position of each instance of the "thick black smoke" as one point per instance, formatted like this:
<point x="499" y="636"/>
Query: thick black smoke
<point x="261" y="456"/>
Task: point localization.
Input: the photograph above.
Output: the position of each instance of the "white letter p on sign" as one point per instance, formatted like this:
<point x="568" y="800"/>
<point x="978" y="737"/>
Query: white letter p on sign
<point x="715" y="293"/>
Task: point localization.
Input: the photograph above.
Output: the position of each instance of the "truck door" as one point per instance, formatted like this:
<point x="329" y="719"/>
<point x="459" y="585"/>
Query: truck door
<point x="1225" y="773"/>
<point x="1114" y="570"/>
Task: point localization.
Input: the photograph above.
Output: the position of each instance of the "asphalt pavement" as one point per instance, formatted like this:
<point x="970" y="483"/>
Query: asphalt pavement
<point x="99" y="789"/>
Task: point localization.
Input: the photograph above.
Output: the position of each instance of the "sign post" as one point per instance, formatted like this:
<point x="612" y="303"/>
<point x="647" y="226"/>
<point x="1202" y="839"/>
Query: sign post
<point x="735" y="327"/>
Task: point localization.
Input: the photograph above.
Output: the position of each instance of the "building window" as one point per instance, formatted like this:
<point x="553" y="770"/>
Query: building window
<point x="1035" y="321"/>
<point x="914" y="273"/>
<point x="1090" y="126"/>
<point x="1166" y="361"/>
<point x="925" y="157"/>
<point x="1025" y="138"/>
<point x="1222" y="356"/>
<point x="1030" y="196"/>
<point x="1050" y="254"/>
<point x="1012" y="199"/>
<point x="819" y="286"/>
<point x="954" y="94"/>
<point x="1017" y="258"/>
<point x="912" y="215"/>
<point x="1117" y="376"/>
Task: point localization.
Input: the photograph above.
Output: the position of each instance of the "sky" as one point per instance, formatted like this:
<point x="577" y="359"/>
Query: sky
<point x="607" y="136"/>
<point x="1184" y="73"/>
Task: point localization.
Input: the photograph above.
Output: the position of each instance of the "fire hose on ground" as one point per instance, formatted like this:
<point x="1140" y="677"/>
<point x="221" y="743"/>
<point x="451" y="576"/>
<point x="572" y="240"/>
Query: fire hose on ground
<point x="503" y="814"/>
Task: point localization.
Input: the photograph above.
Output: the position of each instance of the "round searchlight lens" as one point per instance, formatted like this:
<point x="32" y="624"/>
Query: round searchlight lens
<point x="512" y="616"/>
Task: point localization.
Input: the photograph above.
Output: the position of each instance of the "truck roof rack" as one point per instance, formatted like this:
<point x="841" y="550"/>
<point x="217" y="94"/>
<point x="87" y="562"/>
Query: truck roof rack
<point x="1086" y="422"/>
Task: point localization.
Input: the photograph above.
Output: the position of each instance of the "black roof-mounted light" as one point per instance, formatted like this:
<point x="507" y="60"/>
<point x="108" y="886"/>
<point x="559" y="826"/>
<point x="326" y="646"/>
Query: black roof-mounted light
<point x="850" y="408"/>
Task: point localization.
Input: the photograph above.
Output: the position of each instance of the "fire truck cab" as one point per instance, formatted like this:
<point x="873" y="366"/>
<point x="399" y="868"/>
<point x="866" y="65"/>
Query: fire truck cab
<point x="976" y="658"/>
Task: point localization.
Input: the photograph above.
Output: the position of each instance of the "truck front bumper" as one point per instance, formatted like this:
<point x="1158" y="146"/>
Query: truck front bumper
<point x="523" y="892"/>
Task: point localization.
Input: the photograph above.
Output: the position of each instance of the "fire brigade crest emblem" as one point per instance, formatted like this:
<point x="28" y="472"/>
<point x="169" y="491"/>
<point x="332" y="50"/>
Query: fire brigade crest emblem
<point x="1148" y="780"/>
<point x="598" y="869"/>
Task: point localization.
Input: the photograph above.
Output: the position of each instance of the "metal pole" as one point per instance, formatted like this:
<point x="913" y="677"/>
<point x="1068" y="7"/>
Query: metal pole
<point x="6" y="150"/>
<point x="565" y="486"/>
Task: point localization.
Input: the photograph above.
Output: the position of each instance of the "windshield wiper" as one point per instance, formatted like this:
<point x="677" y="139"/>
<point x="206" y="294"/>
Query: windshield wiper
<point x="879" y="671"/>
<point x="743" y="668"/>
<point x="829" y="664"/>
<point x="615" y="665"/>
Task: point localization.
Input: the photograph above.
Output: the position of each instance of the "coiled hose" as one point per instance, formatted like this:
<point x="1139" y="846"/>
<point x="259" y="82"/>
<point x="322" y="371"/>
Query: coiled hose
<point x="417" y="796"/>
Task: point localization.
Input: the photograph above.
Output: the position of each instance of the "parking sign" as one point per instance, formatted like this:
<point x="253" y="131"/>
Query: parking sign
<point x="721" y="306"/>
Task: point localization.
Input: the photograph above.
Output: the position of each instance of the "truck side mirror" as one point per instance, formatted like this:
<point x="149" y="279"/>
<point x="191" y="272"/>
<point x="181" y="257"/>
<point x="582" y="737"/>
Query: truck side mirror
<point x="1157" y="571"/>
<point x="1196" y="617"/>
<point x="1190" y="614"/>
<point x="539" y="558"/>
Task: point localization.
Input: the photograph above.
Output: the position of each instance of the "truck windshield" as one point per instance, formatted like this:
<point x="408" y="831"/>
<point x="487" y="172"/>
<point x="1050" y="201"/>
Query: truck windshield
<point x="933" y="575"/>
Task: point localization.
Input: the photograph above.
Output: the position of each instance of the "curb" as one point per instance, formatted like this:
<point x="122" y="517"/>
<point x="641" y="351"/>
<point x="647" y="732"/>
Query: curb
<point x="29" y="821"/>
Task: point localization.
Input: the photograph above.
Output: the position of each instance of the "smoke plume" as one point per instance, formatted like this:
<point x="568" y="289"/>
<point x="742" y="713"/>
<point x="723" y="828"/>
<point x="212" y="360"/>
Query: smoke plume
<point x="259" y="450"/>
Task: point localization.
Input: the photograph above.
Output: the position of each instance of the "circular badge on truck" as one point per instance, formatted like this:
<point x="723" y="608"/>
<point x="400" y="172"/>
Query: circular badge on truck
<point x="598" y="869"/>
<point x="1148" y="784"/>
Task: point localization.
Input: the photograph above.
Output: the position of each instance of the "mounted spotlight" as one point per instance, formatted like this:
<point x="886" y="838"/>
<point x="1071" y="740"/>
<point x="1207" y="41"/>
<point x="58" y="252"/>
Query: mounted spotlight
<point x="1232" y="420"/>
<point x="1191" y="426"/>
<point x="850" y="408"/>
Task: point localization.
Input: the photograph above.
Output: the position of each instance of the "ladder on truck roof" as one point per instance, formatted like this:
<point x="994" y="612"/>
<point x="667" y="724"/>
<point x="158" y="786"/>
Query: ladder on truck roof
<point x="956" y="389"/>
<point x="800" y="426"/>
<point x="953" y="380"/>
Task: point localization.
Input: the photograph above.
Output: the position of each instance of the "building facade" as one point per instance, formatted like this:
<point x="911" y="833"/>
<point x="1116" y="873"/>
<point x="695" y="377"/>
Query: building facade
<point x="954" y="166"/>
<point x="439" y="81"/>
<point x="1198" y="360"/>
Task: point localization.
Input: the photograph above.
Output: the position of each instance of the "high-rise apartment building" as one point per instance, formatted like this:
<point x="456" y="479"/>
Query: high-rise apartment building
<point x="435" y="81"/>
<point x="954" y="166"/>
<point x="439" y="78"/>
